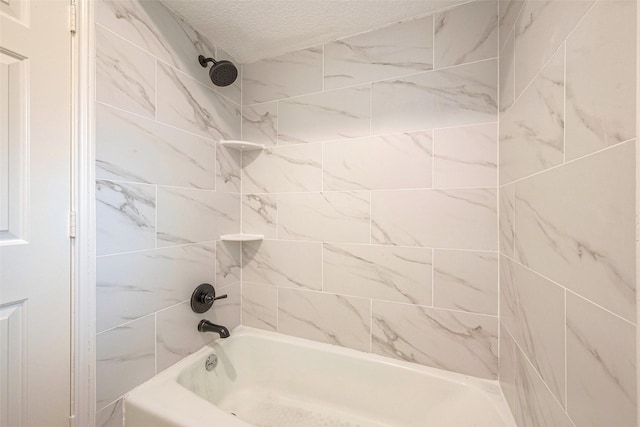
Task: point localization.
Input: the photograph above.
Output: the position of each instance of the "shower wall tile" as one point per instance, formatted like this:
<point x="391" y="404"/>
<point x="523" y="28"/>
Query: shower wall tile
<point x="155" y="29"/>
<point x="337" y="114"/>
<point x="508" y="367"/>
<point x="228" y="170"/>
<point x="378" y="163"/>
<point x="466" y="156"/>
<point x="459" y="218"/>
<point x="260" y="214"/>
<point x="131" y="148"/>
<point x="396" y="50"/>
<point x="282" y="169"/>
<point x="125" y="358"/>
<point x="466" y="281"/>
<point x="191" y="216"/>
<point x="125" y="75"/>
<point x="466" y="33"/>
<point x="133" y="285"/>
<point x="532" y="309"/>
<point x="260" y="123"/>
<point x="260" y="306"/>
<point x="600" y="357"/>
<point x="331" y="217"/>
<point x="125" y="217"/>
<point x="291" y="74"/>
<point x="283" y="263"/>
<point x="190" y="105"/>
<point x="177" y="335"/>
<point x="228" y="263"/>
<point x="507" y="75"/>
<point x="506" y="201"/>
<point x="379" y="272"/>
<point x="601" y="79"/>
<point x="532" y="131"/>
<point x="324" y="317"/>
<point x="456" y="96"/>
<point x="460" y="342"/>
<point x="540" y="30"/>
<point x="508" y="12"/>
<point x="111" y="416"/>
<point x="535" y="405"/>
<point x="576" y="226"/>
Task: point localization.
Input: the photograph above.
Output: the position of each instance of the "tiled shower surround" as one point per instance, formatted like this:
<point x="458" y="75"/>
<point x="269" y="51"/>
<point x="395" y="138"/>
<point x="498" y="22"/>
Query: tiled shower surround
<point x="165" y="193"/>
<point x="457" y="190"/>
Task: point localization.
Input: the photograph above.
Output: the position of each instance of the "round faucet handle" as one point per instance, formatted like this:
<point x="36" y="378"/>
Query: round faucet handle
<point x="203" y="297"/>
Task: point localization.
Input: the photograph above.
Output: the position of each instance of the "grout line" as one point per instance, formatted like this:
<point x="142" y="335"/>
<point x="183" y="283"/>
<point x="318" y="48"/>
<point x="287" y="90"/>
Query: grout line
<point x="155" y="225"/>
<point x="566" y="395"/>
<point x="433" y="276"/>
<point x="203" y="243"/>
<point x="370" y="325"/>
<point x="564" y="104"/>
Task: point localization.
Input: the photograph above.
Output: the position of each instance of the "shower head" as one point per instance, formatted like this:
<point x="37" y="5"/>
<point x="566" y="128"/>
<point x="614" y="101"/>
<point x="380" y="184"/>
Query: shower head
<point x="222" y="73"/>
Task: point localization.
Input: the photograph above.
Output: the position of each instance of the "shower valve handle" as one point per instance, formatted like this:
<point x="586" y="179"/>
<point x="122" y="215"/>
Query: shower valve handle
<point x="203" y="297"/>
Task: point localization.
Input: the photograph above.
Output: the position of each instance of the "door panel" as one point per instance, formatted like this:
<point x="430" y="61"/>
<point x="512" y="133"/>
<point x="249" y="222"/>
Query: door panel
<point x="35" y="153"/>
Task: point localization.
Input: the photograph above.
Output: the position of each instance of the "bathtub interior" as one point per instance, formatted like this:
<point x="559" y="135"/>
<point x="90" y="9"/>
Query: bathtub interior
<point x="267" y="379"/>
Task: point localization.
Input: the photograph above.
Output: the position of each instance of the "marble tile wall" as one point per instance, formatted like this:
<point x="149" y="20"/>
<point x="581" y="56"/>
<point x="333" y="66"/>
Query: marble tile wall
<point x="377" y="192"/>
<point x="567" y="145"/>
<point x="165" y="193"/>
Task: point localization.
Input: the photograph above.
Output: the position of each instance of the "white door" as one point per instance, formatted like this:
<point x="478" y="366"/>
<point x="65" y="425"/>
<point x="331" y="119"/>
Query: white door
<point x="35" y="144"/>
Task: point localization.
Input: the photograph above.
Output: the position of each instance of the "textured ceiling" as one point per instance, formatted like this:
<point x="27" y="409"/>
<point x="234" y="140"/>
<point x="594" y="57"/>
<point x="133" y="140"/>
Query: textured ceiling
<point x="255" y="29"/>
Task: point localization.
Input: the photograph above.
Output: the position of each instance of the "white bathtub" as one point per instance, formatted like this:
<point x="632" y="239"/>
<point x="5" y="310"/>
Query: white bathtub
<point x="272" y="380"/>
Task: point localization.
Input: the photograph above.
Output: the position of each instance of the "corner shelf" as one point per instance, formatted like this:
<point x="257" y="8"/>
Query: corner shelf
<point x="241" y="145"/>
<point x="241" y="237"/>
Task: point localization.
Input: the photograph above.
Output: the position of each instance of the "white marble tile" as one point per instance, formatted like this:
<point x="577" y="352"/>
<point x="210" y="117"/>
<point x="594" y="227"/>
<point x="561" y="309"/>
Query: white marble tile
<point x="466" y="281"/>
<point x="378" y="163"/>
<point x="260" y="306"/>
<point x="177" y="335"/>
<point x="532" y="309"/>
<point x="125" y="358"/>
<point x="260" y="123"/>
<point x="228" y="170"/>
<point x="192" y="106"/>
<point x="532" y="131"/>
<point x="507" y="75"/>
<point x="508" y="368"/>
<point x="282" y="169"/>
<point x="601" y="79"/>
<point x="575" y="225"/>
<point x="461" y="219"/>
<point x="540" y="30"/>
<point x="130" y="148"/>
<point x="535" y="405"/>
<point x="331" y="217"/>
<point x="337" y="114"/>
<point x="125" y="75"/>
<point x="125" y="217"/>
<point x="394" y="51"/>
<point x="291" y="74"/>
<point x="380" y="272"/>
<point x="260" y="214"/>
<point x="111" y="416"/>
<point x="228" y="263"/>
<point x="508" y="11"/>
<point x="456" y="96"/>
<point x="283" y="263"/>
<point x="466" y="156"/>
<point x="153" y="27"/>
<point x="133" y="285"/>
<point x="506" y="202"/>
<point x="466" y="33"/>
<point x="601" y="366"/>
<point x="333" y="319"/>
<point x="191" y="216"/>
<point x="459" y="342"/>
<point x="228" y="311"/>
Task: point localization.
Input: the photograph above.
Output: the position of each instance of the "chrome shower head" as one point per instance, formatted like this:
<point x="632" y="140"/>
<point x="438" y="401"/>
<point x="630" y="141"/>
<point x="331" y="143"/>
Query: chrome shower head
<point x="222" y="73"/>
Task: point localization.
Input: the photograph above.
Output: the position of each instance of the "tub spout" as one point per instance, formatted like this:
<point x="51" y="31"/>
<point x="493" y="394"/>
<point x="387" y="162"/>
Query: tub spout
<point x="206" y="326"/>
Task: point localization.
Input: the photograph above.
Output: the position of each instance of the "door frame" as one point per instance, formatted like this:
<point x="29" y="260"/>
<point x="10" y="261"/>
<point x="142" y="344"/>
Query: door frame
<point x="83" y="252"/>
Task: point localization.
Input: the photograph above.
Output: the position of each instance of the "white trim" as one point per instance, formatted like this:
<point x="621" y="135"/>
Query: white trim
<point x="83" y="246"/>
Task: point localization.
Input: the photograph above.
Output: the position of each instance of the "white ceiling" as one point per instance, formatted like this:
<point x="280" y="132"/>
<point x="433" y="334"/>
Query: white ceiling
<point x="250" y="30"/>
